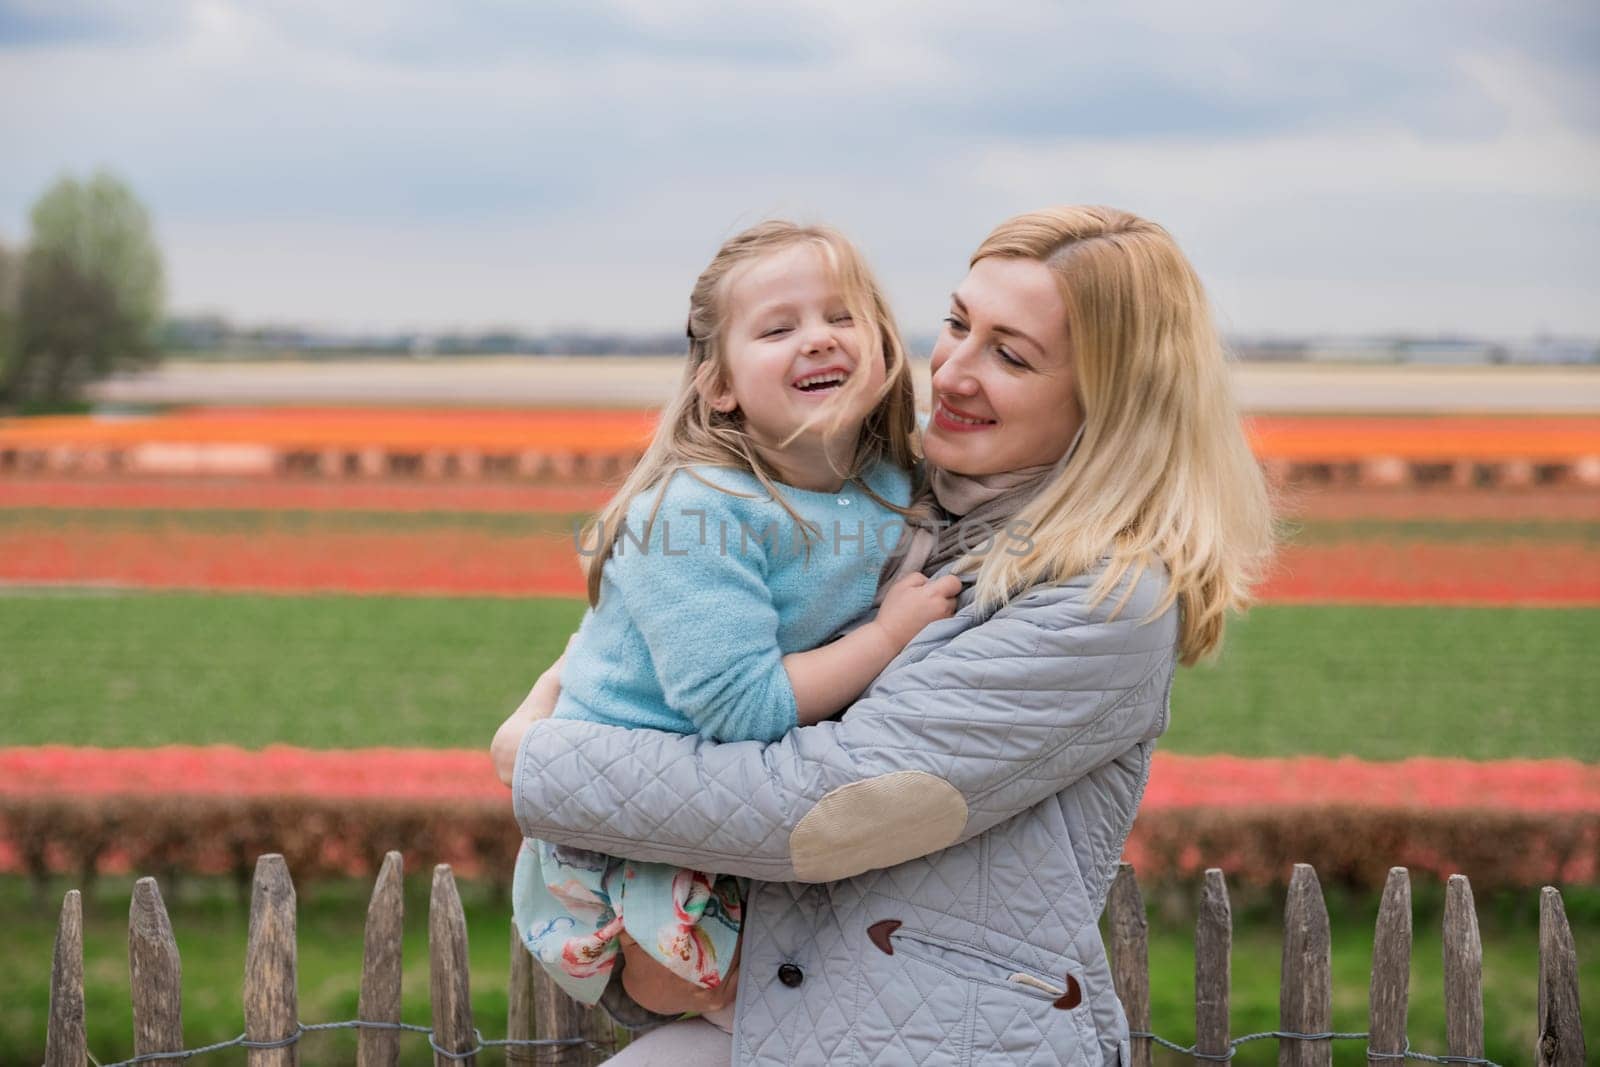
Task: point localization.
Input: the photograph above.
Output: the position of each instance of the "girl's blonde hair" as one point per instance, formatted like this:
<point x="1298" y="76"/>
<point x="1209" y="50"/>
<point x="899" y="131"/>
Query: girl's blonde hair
<point x="691" y="432"/>
<point x="1163" y="470"/>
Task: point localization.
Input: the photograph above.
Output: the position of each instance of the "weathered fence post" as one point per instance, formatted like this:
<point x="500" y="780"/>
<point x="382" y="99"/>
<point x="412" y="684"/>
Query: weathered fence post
<point x="1389" y="995"/>
<point x="155" y="974"/>
<point x="381" y="966"/>
<point x="271" y="1009"/>
<point x="1213" y="946"/>
<point x="538" y="1008"/>
<point x="519" y="1003"/>
<point x="1560" y="1025"/>
<point x="449" y="988"/>
<point x="558" y="1015"/>
<point x="65" y="1043"/>
<point x="1305" y="1001"/>
<point x="1130" y="958"/>
<point x="1463" y="971"/>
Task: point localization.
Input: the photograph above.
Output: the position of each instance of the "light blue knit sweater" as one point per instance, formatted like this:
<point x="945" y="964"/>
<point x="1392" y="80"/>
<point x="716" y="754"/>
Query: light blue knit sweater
<point x="694" y="619"/>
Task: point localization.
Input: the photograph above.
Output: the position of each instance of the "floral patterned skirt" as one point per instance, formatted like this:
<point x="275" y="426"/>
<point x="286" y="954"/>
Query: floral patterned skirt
<point x="570" y="906"/>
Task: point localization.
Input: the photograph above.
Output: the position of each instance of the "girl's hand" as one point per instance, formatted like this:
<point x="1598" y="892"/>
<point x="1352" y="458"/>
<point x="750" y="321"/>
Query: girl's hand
<point x="650" y="985"/>
<point x="915" y="601"/>
<point x="540" y="703"/>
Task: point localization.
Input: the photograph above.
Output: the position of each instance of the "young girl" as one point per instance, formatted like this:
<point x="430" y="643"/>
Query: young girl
<point x="756" y="525"/>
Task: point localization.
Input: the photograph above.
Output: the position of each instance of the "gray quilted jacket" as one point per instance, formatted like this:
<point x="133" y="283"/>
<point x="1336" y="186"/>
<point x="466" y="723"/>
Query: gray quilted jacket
<point x="929" y="870"/>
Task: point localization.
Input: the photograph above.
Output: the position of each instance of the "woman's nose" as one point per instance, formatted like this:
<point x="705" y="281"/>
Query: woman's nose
<point x="951" y="373"/>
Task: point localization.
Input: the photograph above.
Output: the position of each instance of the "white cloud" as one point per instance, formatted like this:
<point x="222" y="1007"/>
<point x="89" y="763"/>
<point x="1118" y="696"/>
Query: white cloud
<point x="425" y="164"/>
<point x="1378" y="162"/>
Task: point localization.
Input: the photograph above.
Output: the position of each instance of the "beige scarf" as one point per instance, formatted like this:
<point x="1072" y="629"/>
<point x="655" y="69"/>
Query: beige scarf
<point x="967" y="513"/>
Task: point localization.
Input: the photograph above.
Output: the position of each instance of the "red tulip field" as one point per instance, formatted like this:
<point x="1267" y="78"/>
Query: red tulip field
<point x="135" y="601"/>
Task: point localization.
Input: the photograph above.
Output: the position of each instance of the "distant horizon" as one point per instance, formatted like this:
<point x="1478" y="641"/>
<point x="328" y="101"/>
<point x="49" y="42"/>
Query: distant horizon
<point x="612" y="381"/>
<point x="669" y="338"/>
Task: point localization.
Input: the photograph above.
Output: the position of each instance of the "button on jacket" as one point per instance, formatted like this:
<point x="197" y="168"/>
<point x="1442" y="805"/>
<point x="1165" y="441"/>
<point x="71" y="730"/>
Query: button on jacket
<point x="932" y="865"/>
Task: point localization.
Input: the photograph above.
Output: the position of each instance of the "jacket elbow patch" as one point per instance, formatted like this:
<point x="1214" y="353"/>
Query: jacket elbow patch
<point x="877" y="822"/>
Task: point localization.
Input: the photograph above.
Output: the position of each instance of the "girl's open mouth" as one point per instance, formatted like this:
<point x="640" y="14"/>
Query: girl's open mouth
<point x="822" y="381"/>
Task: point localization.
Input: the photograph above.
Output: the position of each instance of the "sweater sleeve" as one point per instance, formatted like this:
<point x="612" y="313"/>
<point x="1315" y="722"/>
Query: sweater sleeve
<point x="981" y="727"/>
<point x="698" y="594"/>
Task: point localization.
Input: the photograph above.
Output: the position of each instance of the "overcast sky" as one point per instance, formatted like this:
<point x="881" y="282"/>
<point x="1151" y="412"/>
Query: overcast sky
<point x="1330" y="168"/>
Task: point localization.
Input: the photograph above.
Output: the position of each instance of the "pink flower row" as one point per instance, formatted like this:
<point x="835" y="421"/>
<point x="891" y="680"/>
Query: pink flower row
<point x="1551" y="786"/>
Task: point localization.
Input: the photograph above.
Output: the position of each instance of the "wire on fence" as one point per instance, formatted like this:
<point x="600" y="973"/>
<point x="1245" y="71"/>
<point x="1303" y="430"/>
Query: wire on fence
<point x="1233" y="1046"/>
<point x="302" y="1029"/>
<point x="550" y="1042"/>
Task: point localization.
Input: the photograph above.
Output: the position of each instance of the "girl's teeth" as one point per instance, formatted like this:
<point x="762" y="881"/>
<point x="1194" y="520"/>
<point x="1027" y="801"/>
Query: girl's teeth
<point x="829" y="379"/>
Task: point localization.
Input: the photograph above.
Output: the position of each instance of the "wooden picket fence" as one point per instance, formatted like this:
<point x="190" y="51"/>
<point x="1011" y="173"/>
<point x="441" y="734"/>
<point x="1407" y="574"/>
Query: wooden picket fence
<point x="581" y="1036"/>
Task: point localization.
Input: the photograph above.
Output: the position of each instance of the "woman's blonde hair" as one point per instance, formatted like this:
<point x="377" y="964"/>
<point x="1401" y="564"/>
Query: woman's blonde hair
<point x="691" y="432"/>
<point x="1163" y="470"/>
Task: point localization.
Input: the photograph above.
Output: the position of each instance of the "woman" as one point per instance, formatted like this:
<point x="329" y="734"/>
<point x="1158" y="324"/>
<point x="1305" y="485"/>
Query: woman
<point x="930" y="867"/>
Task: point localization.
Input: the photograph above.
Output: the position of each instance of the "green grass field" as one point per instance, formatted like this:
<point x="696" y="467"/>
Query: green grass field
<point x="343" y="671"/>
<point x="211" y="924"/>
<point x="122" y="668"/>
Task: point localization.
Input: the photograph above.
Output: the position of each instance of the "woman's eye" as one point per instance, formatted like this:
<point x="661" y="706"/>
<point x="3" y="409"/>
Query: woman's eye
<point x="1009" y="358"/>
<point x="955" y="324"/>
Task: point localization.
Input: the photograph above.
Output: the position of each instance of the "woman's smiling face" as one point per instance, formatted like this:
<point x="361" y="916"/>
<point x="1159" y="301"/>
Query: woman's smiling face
<point x="1004" y="394"/>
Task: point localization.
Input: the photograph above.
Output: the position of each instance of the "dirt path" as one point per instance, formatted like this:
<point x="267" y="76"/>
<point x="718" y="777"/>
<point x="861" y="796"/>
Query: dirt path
<point x="631" y="382"/>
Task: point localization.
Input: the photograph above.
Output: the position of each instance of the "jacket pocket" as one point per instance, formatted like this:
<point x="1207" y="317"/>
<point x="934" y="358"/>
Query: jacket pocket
<point x="971" y="963"/>
<point x="1012" y="1010"/>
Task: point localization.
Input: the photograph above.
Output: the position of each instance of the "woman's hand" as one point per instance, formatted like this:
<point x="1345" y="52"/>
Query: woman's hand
<point x="540" y="703"/>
